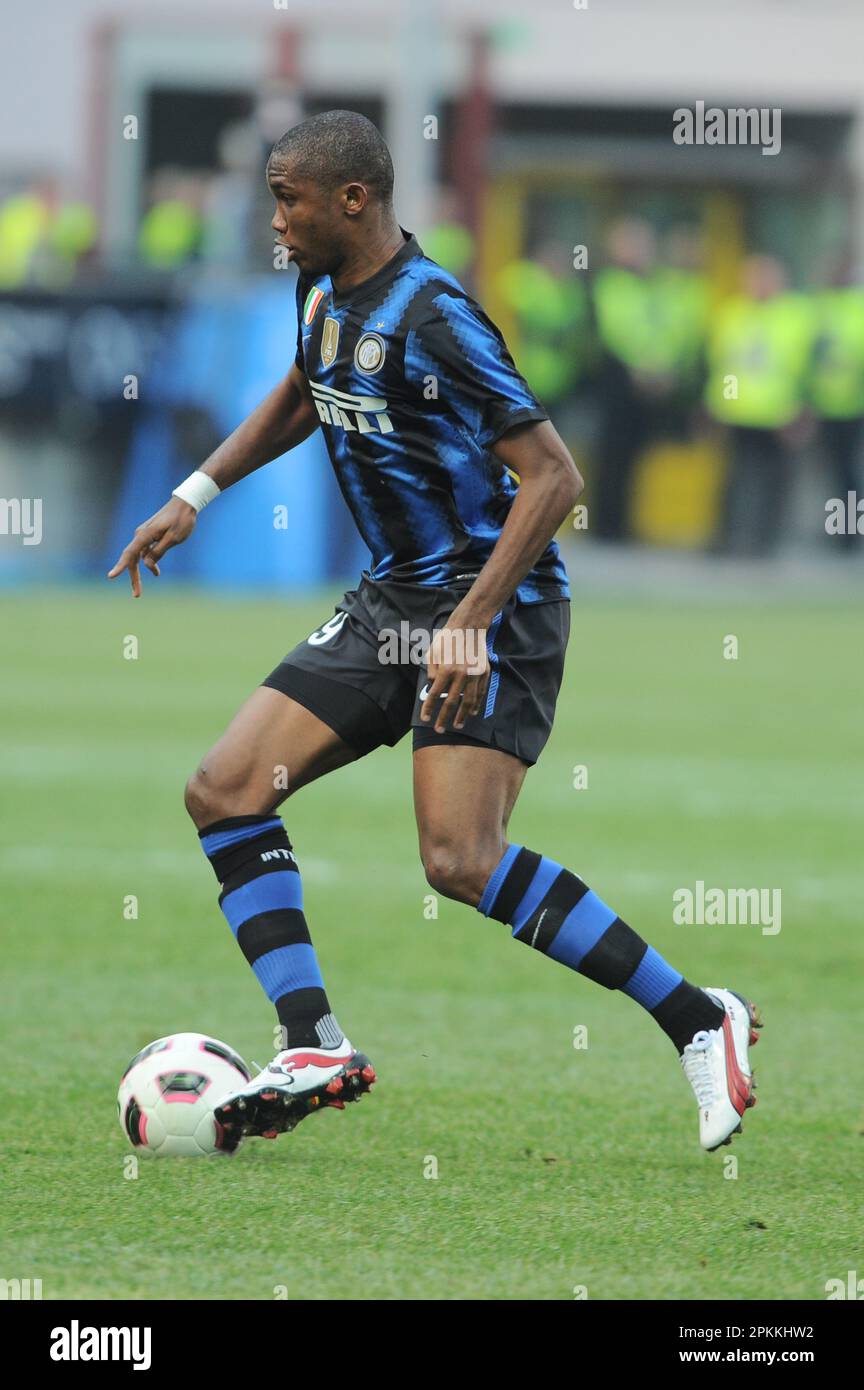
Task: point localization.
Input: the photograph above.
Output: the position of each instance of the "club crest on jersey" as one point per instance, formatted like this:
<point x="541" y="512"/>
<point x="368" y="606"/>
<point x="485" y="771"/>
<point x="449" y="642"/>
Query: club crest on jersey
<point x="313" y="299"/>
<point x="369" y="353"/>
<point x="329" y="341"/>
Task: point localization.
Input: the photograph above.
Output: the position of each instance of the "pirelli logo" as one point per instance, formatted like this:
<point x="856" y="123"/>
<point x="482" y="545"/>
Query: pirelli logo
<point x="367" y="414"/>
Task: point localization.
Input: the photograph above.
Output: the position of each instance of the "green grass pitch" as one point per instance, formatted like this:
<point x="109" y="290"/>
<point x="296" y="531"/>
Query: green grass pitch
<point x="557" y="1167"/>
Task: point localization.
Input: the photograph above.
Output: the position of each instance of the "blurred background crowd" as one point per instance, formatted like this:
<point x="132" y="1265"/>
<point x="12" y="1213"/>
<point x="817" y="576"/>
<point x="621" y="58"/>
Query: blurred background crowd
<point x="692" y="317"/>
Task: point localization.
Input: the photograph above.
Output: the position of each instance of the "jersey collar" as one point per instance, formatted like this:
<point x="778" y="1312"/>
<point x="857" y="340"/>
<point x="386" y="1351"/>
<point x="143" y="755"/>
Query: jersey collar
<point x="407" y="251"/>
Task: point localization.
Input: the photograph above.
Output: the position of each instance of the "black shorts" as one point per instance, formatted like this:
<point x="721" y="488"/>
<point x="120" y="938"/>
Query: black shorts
<point x="339" y="675"/>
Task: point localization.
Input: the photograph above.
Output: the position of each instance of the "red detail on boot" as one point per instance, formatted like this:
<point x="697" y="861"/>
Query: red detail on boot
<point x="315" y="1059"/>
<point x="738" y="1084"/>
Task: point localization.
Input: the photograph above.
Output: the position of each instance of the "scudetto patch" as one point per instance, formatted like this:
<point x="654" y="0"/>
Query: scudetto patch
<point x="329" y="341"/>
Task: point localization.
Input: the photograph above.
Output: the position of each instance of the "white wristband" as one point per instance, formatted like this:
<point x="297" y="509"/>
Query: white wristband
<point x="198" y="489"/>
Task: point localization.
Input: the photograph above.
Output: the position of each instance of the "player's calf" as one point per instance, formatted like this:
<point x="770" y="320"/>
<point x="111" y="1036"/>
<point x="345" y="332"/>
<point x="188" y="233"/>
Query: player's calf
<point x="262" y="899"/>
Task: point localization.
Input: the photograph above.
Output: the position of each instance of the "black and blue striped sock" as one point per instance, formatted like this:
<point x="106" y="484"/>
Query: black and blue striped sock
<point x="262" y="898"/>
<point x="552" y="910"/>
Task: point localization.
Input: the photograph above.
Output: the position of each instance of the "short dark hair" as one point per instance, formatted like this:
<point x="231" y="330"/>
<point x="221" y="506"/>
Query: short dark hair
<point x="337" y="147"/>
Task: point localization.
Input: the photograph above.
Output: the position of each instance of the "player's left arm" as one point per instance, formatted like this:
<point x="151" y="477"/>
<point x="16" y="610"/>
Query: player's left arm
<point x="549" y="486"/>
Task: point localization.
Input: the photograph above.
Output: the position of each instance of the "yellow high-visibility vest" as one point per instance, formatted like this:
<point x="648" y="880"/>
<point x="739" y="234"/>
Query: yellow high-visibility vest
<point x="552" y="318"/>
<point x="836" y="386"/>
<point x="758" y="355"/>
<point x="73" y="231"/>
<point x="652" y="323"/>
<point x="169" y="234"/>
<point x="450" y="245"/>
<point x="682" y="296"/>
<point x="23" y="220"/>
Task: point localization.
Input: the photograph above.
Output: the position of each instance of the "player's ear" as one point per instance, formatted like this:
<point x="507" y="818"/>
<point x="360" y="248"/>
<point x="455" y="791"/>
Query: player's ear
<point x="354" y="198"/>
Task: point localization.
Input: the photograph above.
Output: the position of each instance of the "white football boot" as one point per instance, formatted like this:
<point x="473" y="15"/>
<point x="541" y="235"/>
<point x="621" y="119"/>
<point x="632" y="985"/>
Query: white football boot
<point x="295" y="1084"/>
<point x="717" y="1065"/>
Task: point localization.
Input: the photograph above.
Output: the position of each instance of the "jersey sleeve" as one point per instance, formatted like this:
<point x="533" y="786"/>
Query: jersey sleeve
<point x="456" y="355"/>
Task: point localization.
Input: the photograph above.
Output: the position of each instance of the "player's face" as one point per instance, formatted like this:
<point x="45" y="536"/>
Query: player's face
<point x="306" y="221"/>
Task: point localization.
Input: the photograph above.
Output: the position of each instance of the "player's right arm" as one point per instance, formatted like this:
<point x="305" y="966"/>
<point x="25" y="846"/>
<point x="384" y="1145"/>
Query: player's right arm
<point x="284" y="419"/>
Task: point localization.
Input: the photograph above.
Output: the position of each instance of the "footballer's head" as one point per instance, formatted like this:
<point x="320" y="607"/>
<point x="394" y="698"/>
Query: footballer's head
<point x="332" y="179"/>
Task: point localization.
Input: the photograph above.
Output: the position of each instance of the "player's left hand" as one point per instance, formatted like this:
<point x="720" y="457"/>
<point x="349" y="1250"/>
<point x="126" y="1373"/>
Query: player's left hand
<point x="459" y="670"/>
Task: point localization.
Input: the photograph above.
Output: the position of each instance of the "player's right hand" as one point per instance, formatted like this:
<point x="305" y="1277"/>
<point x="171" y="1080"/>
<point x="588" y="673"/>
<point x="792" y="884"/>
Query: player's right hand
<point x="169" y="526"/>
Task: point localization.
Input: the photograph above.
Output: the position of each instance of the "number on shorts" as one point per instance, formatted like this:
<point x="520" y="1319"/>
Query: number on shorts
<point x="330" y="628"/>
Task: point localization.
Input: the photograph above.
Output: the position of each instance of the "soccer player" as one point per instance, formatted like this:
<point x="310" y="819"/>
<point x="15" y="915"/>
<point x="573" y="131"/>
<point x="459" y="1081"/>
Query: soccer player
<point x="426" y="420"/>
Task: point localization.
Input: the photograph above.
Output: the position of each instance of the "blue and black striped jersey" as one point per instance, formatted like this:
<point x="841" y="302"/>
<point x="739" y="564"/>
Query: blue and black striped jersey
<point x="414" y="385"/>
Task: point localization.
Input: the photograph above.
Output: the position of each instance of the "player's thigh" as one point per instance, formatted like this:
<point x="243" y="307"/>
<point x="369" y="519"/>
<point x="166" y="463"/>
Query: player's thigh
<point x="463" y="797"/>
<point x="272" y="746"/>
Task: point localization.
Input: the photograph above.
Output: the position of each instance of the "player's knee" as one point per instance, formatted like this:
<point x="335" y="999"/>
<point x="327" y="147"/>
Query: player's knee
<point x="460" y="871"/>
<point x="197" y="798"/>
<point x="210" y="798"/>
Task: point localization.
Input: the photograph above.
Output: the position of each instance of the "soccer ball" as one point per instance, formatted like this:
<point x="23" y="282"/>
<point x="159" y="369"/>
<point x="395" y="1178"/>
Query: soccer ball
<point x="169" y="1091"/>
